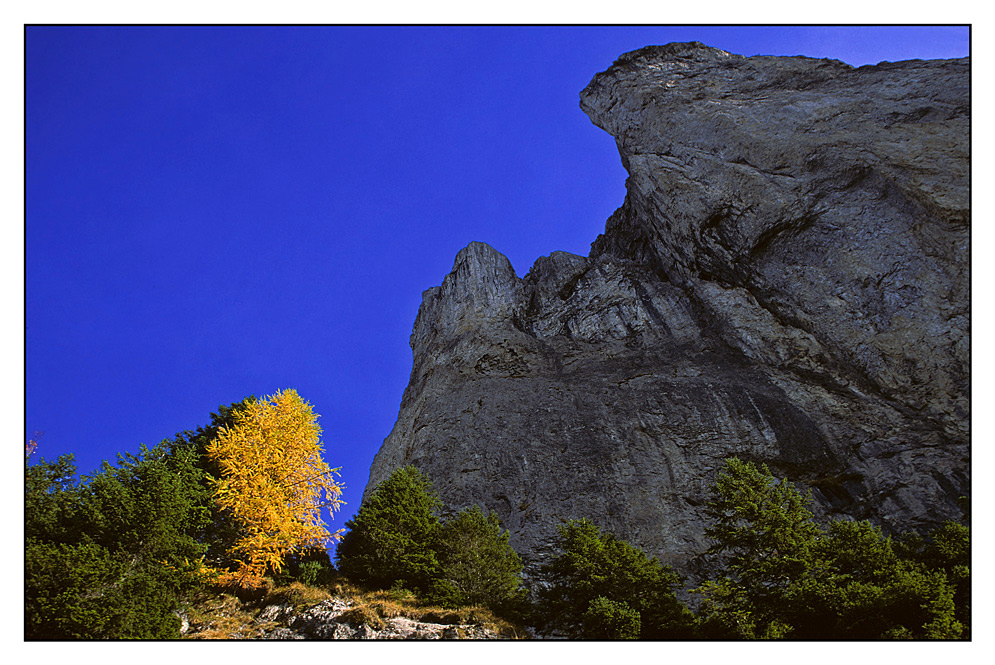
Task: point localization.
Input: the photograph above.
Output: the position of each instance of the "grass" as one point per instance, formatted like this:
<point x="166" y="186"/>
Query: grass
<point x="388" y="604"/>
<point x="297" y="595"/>
<point x="222" y="616"/>
<point x="363" y="615"/>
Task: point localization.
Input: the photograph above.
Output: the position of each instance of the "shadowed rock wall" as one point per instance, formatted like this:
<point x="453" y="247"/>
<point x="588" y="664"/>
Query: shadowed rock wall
<point x="786" y="281"/>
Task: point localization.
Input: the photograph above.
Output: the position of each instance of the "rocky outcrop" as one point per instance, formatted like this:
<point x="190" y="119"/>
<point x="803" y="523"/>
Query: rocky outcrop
<point x="786" y="281"/>
<point x="338" y="619"/>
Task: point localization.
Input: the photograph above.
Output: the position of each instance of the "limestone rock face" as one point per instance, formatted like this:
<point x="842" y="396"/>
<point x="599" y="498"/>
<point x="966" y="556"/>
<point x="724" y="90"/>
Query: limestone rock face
<point x="787" y="281"/>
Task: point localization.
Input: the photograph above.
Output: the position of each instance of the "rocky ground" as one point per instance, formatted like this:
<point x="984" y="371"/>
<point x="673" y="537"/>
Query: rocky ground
<point x="300" y="613"/>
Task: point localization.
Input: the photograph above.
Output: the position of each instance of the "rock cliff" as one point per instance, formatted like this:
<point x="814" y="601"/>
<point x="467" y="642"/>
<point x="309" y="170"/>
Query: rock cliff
<point x="786" y="281"/>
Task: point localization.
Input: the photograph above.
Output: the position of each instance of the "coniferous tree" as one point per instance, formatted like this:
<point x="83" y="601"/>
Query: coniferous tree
<point x="391" y="539"/>
<point x="782" y="576"/>
<point x="51" y="498"/>
<point x="598" y="580"/>
<point x="107" y="557"/>
<point x="763" y="534"/>
<point x="477" y="565"/>
<point x="222" y="530"/>
<point x="397" y="539"/>
<point x="610" y="620"/>
<point x="859" y="588"/>
<point x="948" y="550"/>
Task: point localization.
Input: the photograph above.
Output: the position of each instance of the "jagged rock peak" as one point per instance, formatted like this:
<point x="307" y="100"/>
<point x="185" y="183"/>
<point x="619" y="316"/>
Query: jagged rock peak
<point x="646" y="96"/>
<point x="481" y="287"/>
<point x="481" y="260"/>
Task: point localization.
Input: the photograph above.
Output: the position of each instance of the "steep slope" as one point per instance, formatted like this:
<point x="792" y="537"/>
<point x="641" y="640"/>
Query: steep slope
<point x="786" y="281"/>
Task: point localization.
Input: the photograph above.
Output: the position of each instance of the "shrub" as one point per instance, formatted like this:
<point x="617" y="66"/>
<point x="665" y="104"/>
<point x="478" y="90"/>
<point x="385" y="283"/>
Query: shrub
<point x="610" y="620"/>
<point x="107" y="558"/>
<point x="310" y="572"/>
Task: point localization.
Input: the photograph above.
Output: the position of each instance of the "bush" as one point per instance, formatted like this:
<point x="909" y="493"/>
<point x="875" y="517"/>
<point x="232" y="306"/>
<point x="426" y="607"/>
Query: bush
<point x="311" y="572"/>
<point x="85" y="592"/>
<point x="609" y="620"/>
<point x="312" y="567"/>
<point x="400" y="594"/>
<point x="444" y="593"/>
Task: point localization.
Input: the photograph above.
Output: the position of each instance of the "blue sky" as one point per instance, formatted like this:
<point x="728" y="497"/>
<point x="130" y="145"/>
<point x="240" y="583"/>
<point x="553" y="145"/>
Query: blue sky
<point x="217" y="212"/>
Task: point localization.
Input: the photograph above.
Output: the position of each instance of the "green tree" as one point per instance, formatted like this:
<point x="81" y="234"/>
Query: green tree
<point x="782" y="576"/>
<point x="391" y="539"/>
<point x="51" y="498"/>
<point x="222" y="529"/>
<point x="477" y="565"/>
<point x="593" y="565"/>
<point x="86" y="591"/>
<point x="861" y="589"/>
<point x="848" y="592"/>
<point x="763" y="536"/>
<point x="946" y="550"/>
<point x="108" y="556"/>
<point x="151" y="505"/>
<point x="950" y="552"/>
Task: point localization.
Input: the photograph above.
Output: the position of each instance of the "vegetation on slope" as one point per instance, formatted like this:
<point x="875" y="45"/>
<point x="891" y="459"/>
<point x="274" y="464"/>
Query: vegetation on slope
<point x="223" y="616"/>
<point x="217" y="524"/>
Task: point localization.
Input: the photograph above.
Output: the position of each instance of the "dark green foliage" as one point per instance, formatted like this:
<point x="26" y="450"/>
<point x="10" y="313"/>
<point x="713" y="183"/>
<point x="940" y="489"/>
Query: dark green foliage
<point x="859" y="588"/>
<point x="951" y="553"/>
<point x="594" y="565"/>
<point x="109" y="557"/>
<point x="477" y="565"/>
<point x="391" y="538"/>
<point x="85" y="591"/>
<point x="763" y="533"/>
<point x="947" y="550"/>
<point x="313" y="567"/>
<point x="51" y="499"/>
<point x="609" y="620"/>
<point x="220" y="531"/>
<point x="152" y="506"/>
<point x="105" y="558"/>
<point x="781" y="576"/>
<point x="396" y="540"/>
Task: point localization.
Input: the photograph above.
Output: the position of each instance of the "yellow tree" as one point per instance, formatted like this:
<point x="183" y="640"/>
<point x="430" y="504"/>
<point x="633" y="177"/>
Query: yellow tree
<point x="274" y="483"/>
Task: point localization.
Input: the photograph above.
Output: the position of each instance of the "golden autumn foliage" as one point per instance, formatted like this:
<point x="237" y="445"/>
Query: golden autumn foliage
<point x="274" y="483"/>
